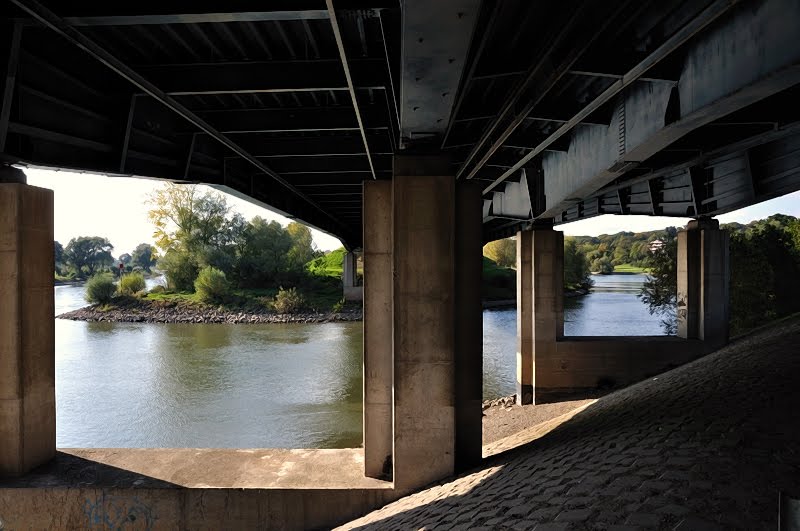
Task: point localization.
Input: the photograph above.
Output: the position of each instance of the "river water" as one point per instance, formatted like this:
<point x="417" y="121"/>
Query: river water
<point x="261" y="386"/>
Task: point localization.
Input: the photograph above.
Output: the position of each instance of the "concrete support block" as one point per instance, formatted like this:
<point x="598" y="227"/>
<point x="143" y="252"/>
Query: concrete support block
<point x="27" y="333"/>
<point x="703" y="272"/>
<point x="468" y="325"/>
<point x="524" y="317"/>
<point x="424" y="350"/>
<point x="378" y="369"/>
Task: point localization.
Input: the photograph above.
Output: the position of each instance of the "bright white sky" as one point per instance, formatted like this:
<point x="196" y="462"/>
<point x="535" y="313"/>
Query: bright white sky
<point x="114" y="207"/>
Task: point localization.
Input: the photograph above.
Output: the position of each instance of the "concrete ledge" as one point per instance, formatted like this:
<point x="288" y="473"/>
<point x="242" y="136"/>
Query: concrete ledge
<point x="193" y="489"/>
<point x="583" y="363"/>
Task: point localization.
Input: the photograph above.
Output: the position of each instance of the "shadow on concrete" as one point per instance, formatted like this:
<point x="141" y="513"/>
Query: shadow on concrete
<point x="707" y="445"/>
<point x="69" y="471"/>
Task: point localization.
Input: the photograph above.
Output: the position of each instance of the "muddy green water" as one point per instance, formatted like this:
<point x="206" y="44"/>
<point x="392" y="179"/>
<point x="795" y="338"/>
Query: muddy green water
<point x="250" y="386"/>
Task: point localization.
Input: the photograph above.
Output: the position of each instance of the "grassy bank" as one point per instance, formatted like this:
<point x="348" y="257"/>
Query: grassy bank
<point x="321" y="296"/>
<point x="628" y="268"/>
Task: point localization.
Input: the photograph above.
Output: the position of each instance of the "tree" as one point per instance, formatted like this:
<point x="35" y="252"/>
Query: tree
<point x="503" y="252"/>
<point x="125" y="258"/>
<point x="58" y="256"/>
<point x="622" y="252"/>
<point x="302" y="249"/>
<point x="602" y="265"/>
<point x="144" y="256"/>
<point x="186" y="218"/>
<point x="576" y="268"/>
<point x="660" y="290"/>
<point x="194" y="230"/>
<point x="180" y="268"/>
<point x="265" y="257"/>
<point x="88" y="254"/>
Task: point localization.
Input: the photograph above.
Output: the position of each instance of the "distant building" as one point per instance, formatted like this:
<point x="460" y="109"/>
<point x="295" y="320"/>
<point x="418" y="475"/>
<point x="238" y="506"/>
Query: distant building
<point x="656" y="245"/>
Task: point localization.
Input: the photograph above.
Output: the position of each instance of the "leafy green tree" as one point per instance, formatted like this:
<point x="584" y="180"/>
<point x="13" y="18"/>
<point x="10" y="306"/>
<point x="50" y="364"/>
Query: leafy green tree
<point x="125" y="258"/>
<point x="622" y="252"/>
<point x="265" y="257"/>
<point x="144" y="256"/>
<point x="576" y="268"/>
<point x="88" y="254"/>
<point x="58" y="256"/>
<point x="302" y="250"/>
<point x="502" y="252"/>
<point x="184" y="217"/>
<point x="602" y="265"/>
<point x="660" y="290"/>
<point x="180" y="268"/>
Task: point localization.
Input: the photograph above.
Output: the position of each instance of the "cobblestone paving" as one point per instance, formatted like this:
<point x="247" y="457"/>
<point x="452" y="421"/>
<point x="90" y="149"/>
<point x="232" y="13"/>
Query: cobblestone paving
<point x="706" y="446"/>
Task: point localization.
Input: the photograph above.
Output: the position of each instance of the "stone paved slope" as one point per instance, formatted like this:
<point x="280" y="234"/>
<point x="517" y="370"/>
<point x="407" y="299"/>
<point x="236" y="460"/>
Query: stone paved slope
<point x="706" y="446"/>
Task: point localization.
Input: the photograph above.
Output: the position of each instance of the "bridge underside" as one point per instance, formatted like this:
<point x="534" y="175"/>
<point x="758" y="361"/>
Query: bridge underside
<point x="414" y="133"/>
<point x="561" y="110"/>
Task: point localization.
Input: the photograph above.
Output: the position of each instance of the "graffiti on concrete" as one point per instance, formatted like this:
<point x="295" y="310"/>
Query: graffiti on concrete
<point x="118" y="512"/>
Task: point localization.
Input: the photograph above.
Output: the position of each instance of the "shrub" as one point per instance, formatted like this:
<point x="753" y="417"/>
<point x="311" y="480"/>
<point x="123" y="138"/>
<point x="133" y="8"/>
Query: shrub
<point x="131" y="284"/>
<point x="158" y="288"/>
<point x="211" y="285"/>
<point x="180" y="269"/>
<point x="288" y="301"/>
<point x="100" y="289"/>
<point x="339" y="306"/>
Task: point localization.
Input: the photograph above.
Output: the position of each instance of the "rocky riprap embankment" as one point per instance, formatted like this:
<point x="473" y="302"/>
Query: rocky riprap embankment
<point x="503" y="401"/>
<point x="140" y="311"/>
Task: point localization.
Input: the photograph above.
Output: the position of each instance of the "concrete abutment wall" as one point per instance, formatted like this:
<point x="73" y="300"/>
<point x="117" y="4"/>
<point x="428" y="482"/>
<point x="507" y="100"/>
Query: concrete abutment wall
<point x="550" y="366"/>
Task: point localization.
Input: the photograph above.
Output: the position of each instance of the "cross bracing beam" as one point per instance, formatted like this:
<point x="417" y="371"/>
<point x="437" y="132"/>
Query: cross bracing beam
<point x="348" y="142"/>
<point x="346" y="68"/>
<point x="539" y="80"/>
<point x="289" y="119"/>
<point x="709" y="15"/>
<point x="263" y="77"/>
<point x="72" y="35"/>
<point x="335" y="165"/>
<point x="97" y="13"/>
<point x="708" y="91"/>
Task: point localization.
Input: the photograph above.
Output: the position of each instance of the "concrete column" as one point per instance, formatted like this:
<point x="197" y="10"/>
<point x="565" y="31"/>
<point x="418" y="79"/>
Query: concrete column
<point x="524" y="317"/>
<point x="350" y="290"/>
<point x="349" y="270"/>
<point x="547" y="301"/>
<point x="27" y="335"/>
<point x="424" y="350"/>
<point x="703" y="272"/>
<point x="540" y="308"/>
<point x="378" y="368"/>
<point x="468" y="325"/>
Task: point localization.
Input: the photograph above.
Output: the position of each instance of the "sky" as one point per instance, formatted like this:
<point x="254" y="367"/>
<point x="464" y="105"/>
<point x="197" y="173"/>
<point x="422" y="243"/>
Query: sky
<point x="116" y="208"/>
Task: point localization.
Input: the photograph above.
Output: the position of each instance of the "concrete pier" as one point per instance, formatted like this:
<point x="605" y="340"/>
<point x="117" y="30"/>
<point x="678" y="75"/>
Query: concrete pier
<point x="27" y="333"/>
<point x="378" y="371"/>
<point x="423" y="203"/>
<point x="350" y="288"/>
<point x="703" y="283"/>
<point x="540" y="306"/>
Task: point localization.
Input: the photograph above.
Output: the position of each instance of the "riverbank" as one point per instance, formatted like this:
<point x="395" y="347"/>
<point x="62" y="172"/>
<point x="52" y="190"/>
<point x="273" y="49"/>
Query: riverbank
<point x="176" y="311"/>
